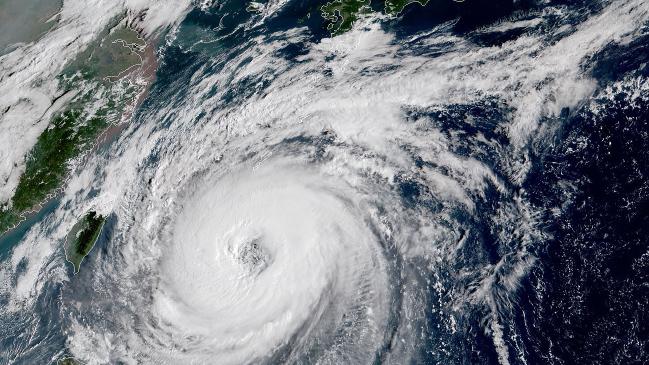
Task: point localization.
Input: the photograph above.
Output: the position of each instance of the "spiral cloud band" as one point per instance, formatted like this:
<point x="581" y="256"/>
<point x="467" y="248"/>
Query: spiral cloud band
<point x="284" y="197"/>
<point x="262" y="254"/>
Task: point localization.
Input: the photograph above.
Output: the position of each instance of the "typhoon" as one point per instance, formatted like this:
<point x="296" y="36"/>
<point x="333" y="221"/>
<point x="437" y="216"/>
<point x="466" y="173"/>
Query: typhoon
<point x="313" y="182"/>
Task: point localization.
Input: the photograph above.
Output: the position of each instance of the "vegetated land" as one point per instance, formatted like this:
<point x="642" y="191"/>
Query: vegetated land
<point x="394" y="7"/>
<point x="97" y="74"/>
<point x="341" y="14"/>
<point x="68" y="361"/>
<point x="82" y="238"/>
<point x="110" y="57"/>
<point x="47" y="164"/>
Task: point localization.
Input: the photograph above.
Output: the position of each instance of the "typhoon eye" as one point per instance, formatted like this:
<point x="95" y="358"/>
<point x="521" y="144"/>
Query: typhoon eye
<point x="324" y="182"/>
<point x="273" y="252"/>
<point x="249" y="251"/>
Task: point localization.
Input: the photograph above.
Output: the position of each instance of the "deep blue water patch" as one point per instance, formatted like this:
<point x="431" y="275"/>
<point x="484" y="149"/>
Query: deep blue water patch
<point x="616" y="61"/>
<point x="594" y="273"/>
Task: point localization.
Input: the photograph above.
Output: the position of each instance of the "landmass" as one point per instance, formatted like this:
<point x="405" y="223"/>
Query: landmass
<point x="254" y="7"/>
<point x="341" y="14"/>
<point x="395" y="7"/>
<point x="82" y="238"/>
<point x="68" y="361"/>
<point x="107" y="81"/>
<point x="114" y="54"/>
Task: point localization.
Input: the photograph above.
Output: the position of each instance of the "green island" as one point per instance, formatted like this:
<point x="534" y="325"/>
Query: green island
<point x="341" y="14"/>
<point x="254" y="7"/>
<point x="105" y="81"/>
<point x="82" y="238"/>
<point x="394" y="7"/>
<point x="98" y="76"/>
<point x="68" y="361"/>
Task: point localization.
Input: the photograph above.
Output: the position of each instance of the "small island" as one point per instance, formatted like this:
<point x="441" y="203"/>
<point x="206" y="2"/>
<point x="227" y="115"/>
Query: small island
<point x="82" y="238"/>
<point x="68" y="361"/>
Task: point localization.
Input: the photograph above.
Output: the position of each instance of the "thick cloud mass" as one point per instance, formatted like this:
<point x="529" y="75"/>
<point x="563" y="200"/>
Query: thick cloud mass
<point x="281" y="198"/>
<point x="264" y="254"/>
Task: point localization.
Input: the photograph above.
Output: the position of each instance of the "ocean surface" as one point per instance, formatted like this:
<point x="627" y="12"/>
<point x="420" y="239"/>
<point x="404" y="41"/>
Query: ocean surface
<point x="466" y="183"/>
